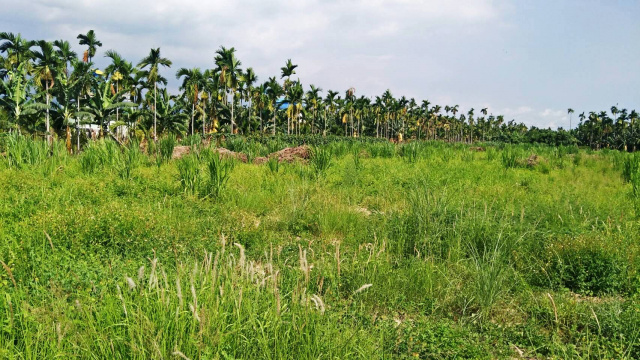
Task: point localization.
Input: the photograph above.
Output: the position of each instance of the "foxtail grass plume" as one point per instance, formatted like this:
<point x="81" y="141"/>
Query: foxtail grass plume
<point x="363" y="288"/>
<point x="124" y="306"/>
<point x="131" y="283"/>
<point x="317" y="300"/>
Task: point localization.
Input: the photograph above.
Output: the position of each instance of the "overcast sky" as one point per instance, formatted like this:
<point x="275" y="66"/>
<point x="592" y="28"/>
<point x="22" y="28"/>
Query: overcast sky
<point x="528" y="60"/>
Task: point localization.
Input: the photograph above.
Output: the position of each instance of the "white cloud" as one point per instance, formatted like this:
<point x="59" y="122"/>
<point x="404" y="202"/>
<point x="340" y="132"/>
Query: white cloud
<point x="551" y="113"/>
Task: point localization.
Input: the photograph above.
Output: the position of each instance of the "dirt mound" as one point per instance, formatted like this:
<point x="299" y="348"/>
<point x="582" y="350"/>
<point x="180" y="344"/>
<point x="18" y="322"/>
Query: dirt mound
<point x="292" y="154"/>
<point x="180" y="151"/>
<point x="477" y="148"/>
<point x="287" y="154"/>
<point x="232" y="154"/>
<point x="532" y="160"/>
<point x="260" y="160"/>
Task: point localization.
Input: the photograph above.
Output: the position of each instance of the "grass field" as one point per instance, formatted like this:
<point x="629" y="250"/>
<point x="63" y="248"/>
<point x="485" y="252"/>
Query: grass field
<point x="368" y="250"/>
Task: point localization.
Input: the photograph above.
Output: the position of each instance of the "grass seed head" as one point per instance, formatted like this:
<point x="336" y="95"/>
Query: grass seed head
<point x="363" y="288"/>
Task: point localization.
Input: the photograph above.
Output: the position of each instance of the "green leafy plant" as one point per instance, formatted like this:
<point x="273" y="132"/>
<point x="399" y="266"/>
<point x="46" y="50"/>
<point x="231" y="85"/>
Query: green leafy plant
<point x="321" y="159"/>
<point x="274" y="165"/>
<point x="510" y="157"/>
<point x="219" y="170"/>
<point x="410" y="152"/>
<point x="165" y="148"/>
<point x="189" y="173"/>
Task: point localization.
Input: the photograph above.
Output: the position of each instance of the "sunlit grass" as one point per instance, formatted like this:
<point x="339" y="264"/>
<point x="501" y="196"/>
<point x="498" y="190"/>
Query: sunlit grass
<point x="454" y="244"/>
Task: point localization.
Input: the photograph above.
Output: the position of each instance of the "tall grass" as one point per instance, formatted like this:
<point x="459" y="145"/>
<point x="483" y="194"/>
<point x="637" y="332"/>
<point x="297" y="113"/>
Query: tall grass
<point x="189" y="173"/>
<point x="168" y="313"/>
<point x="165" y="148"/>
<point x="511" y="157"/>
<point x="274" y="165"/>
<point x="22" y="150"/>
<point x="446" y="258"/>
<point x="630" y="167"/>
<point x="411" y="151"/>
<point x="321" y="160"/>
<point x="130" y="159"/>
<point x="100" y="154"/>
<point x="219" y="171"/>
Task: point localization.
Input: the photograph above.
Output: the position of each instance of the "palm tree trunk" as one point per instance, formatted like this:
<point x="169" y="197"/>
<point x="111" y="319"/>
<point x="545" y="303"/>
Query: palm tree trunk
<point x="274" y="118"/>
<point x="155" y="112"/>
<point x="249" y="122"/>
<point x="351" y="121"/>
<point x="204" y="117"/>
<point x="233" y="102"/>
<point x="47" y="122"/>
<point x="324" y="117"/>
<point x="78" y="128"/>
<point x="117" y="109"/>
<point x="192" y="116"/>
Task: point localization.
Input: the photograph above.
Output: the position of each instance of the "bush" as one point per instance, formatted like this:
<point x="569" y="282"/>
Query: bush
<point x="439" y="339"/>
<point x="586" y="268"/>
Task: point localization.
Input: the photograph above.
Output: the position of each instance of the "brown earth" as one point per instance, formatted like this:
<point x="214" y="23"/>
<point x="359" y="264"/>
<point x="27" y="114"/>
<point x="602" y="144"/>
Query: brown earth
<point x="287" y="154"/>
<point x="180" y="151"/>
<point x="292" y="154"/>
<point x="260" y="160"/>
<point x="232" y="154"/>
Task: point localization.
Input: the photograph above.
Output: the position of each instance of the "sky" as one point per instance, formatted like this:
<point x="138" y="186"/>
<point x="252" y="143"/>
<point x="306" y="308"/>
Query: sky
<point x="529" y="60"/>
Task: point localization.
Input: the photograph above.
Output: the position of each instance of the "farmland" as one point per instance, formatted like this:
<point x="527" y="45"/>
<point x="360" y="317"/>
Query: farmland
<point x="367" y="249"/>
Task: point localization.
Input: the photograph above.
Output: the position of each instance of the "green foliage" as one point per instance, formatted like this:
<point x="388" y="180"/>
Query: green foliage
<point x="189" y="173"/>
<point x="100" y="154"/>
<point x="491" y="275"/>
<point x="274" y="165"/>
<point x="630" y="167"/>
<point x="357" y="156"/>
<point x="21" y="150"/>
<point x="492" y="153"/>
<point x="449" y="257"/>
<point x="410" y="152"/>
<point x="321" y="160"/>
<point x="586" y="268"/>
<point x="381" y="149"/>
<point x="165" y="148"/>
<point x="511" y="157"/>
<point x="219" y="171"/>
<point x="130" y="159"/>
<point x="440" y="339"/>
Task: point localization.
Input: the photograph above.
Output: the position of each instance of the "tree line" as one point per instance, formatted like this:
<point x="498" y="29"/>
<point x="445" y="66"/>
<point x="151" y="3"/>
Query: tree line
<point x="48" y="90"/>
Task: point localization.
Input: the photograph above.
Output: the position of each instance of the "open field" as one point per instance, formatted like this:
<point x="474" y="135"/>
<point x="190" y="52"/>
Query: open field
<point x="366" y="250"/>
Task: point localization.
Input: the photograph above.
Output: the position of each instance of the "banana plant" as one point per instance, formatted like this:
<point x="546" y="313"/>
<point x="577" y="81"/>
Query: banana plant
<point x="103" y="104"/>
<point x="17" y="100"/>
